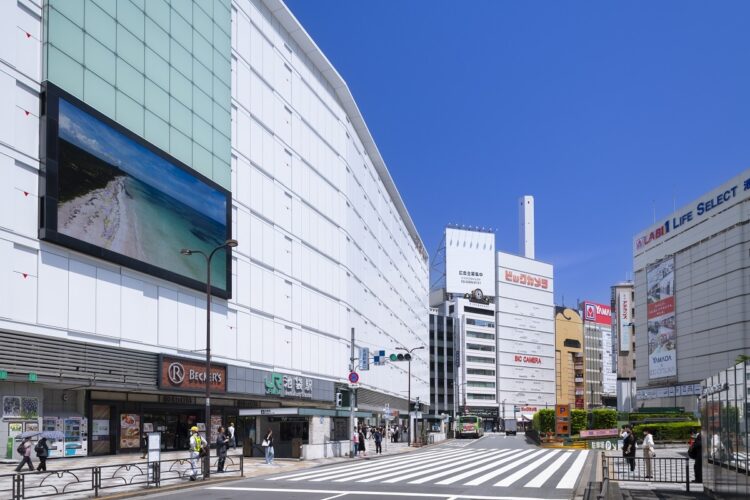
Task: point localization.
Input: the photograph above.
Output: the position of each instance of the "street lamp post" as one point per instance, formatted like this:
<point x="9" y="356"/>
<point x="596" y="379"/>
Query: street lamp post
<point x="409" y="351"/>
<point x="186" y="251"/>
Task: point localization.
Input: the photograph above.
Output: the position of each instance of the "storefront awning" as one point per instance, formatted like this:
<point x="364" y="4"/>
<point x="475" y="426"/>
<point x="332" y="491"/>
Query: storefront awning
<point x="307" y="412"/>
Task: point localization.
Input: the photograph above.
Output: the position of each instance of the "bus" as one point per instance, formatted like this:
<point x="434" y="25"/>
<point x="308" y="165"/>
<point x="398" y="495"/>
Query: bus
<point x="469" y="426"/>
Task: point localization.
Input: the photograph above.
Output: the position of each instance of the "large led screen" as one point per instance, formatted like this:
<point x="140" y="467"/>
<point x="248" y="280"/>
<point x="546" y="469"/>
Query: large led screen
<point x="108" y="193"/>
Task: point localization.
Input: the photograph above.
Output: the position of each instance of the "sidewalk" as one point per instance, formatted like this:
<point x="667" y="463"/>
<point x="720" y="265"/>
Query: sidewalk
<point x="120" y="470"/>
<point x="651" y="490"/>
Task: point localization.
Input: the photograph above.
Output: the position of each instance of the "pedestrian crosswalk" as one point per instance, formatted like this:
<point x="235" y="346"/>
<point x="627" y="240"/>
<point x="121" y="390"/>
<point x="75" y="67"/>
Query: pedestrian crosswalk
<point x="445" y="466"/>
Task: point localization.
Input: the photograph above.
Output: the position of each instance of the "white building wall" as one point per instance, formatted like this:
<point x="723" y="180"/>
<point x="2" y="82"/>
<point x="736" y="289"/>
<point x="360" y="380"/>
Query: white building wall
<point x="323" y="244"/>
<point x="526" y="334"/>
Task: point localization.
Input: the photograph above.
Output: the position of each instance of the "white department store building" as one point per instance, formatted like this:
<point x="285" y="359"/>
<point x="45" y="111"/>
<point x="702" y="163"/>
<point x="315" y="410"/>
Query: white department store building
<point x="236" y="97"/>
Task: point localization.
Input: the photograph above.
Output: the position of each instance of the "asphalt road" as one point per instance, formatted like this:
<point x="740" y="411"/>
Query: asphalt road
<point x="491" y="468"/>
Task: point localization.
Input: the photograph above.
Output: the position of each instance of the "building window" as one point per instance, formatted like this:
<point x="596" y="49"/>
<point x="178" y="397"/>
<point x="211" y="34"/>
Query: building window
<point x="478" y="371"/>
<point x="480" y="396"/>
<point x="475" y="359"/>
<point x="479" y="347"/>
<point x="472" y="383"/>
<point x="480" y="322"/>
<point x="572" y="343"/>
<point x="480" y="335"/>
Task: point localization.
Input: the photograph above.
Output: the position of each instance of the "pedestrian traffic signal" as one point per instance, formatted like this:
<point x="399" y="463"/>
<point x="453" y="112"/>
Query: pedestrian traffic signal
<point x="339" y="400"/>
<point x="401" y="357"/>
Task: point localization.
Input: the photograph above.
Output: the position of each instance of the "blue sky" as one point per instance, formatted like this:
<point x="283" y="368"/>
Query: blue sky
<point x="99" y="139"/>
<point x="606" y="112"/>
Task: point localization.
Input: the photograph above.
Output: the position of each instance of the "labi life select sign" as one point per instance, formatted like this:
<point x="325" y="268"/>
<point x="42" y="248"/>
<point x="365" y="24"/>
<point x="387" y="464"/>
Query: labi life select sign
<point x="469" y="262"/>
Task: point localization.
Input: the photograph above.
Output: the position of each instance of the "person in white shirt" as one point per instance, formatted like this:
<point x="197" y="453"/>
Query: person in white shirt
<point x="648" y="451"/>
<point x="232" y="440"/>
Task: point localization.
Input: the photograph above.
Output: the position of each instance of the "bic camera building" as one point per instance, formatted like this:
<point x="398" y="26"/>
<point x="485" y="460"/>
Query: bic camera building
<point x="133" y="129"/>
<point x="691" y="295"/>
<point x="493" y="332"/>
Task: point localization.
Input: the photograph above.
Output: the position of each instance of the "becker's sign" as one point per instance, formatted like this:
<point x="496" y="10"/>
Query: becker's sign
<point x="190" y="375"/>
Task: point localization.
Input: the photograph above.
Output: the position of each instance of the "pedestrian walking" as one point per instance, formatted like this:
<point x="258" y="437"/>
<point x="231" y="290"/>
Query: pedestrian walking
<point x="378" y="437"/>
<point x="42" y="452"/>
<point x="144" y="444"/>
<point x="361" y="444"/>
<point x="268" y="445"/>
<point x="222" y="443"/>
<point x="24" y="449"/>
<point x="648" y="451"/>
<point x="695" y="451"/>
<point x="196" y="451"/>
<point x="628" y="448"/>
<point x="232" y="439"/>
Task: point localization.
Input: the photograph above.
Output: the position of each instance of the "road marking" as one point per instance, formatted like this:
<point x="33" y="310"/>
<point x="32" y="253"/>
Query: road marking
<point x="569" y="479"/>
<point x="492" y="456"/>
<point x="352" y="466"/>
<point x="422" y="464"/>
<point x="502" y="470"/>
<point x="419" y="471"/>
<point x="335" y="496"/>
<point x="539" y="480"/>
<point x="374" y="468"/>
<point x="379" y="493"/>
<point x="522" y="472"/>
<point x="514" y="454"/>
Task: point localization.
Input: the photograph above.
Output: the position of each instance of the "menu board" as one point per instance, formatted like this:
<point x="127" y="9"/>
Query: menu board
<point x="215" y="424"/>
<point x="130" y="431"/>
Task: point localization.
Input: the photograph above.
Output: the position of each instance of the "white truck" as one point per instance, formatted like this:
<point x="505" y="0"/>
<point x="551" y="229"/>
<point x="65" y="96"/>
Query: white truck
<point x="510" y="426"/>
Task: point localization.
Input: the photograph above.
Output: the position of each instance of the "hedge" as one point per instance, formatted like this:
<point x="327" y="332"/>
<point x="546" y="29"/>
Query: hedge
<point x="544" y="421"/>
<point x="605" y="419"/>
<point x="668" y="431"/>
<point x="579" y="420"/>
<point x="637" y="417"/>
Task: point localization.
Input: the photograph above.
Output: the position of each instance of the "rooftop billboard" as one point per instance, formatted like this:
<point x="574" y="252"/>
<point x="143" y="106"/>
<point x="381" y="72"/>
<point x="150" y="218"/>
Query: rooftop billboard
<point x="469" y="262"/>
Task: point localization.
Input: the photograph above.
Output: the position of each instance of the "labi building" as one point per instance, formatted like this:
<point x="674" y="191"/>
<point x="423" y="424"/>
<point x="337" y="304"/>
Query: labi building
<point x="691" y="314"/>
<point x="132" y="130"/>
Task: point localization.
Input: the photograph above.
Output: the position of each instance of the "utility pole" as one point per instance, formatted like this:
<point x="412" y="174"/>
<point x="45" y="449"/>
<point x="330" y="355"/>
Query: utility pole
<point x="352" y="395"/>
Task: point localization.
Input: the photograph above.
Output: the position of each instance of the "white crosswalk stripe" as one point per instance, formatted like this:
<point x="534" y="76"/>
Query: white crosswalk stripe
<point x="506" y="458"/>
<point x="443" y="466"/>
<point x="348" y="467"/>
<point x="526" y="470"/>
<point x="471" y="465"/>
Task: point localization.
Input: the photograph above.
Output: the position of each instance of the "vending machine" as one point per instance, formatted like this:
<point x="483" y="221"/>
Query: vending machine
<point x="76" y="436"/>
<point x="75" y="430"/>
<point x="55" y="447"/>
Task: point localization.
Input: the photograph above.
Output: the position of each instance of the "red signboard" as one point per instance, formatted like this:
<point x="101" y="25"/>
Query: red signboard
<point x="190" y="375"/>
<point x="661" y="308"/>
<point x="526" y="279"/>
<point x="531" y="360"/>
<point x="597" y="313"/>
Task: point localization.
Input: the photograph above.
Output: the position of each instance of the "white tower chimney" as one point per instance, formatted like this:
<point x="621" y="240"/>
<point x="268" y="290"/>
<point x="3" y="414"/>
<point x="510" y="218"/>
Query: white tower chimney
<point x="526" y="226"/>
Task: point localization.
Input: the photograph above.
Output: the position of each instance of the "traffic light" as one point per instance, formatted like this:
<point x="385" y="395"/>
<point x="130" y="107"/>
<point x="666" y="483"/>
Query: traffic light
<point x="339" y="400"/>
<point x="401" y="357"/>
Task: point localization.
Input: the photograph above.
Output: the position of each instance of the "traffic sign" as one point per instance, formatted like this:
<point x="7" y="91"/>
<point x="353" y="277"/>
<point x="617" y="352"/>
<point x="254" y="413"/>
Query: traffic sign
<point x="353" y="377"/>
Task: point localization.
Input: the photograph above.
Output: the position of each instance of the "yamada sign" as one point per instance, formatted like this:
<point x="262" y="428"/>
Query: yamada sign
<point x="597" y="313"/>
<point x="190" y="375"/>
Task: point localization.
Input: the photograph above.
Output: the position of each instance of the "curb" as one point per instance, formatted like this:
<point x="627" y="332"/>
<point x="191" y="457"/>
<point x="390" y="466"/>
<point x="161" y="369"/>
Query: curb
<point x="168" y="489"/>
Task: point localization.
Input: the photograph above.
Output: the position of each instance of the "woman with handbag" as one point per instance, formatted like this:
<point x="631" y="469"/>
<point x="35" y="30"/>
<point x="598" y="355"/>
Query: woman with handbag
<point x="268" y="445"/>
<point x="648" y="451"/>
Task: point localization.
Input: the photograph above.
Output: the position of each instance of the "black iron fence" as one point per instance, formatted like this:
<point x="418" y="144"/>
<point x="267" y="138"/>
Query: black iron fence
<point x="25" y="485"/>
<point x="652" y="470"/>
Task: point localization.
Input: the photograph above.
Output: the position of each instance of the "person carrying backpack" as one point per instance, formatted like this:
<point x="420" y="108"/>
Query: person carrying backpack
<point x="24" y="449"/>
<point x="42" y="452"/>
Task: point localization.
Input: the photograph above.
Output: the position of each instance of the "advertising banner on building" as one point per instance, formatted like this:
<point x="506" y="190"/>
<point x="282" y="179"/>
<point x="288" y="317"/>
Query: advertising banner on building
<point x="660" y="316"/>
<point x="469" y="262"/>
<point x="625" y="320"/>
<point x="597" y="313"/>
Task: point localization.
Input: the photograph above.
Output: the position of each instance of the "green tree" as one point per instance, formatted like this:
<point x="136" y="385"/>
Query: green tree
<point x="578" y="421"/>
<point x="742" y="358"/>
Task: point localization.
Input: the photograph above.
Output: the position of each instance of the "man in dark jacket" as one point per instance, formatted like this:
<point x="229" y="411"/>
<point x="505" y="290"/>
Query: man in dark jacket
<point x="696" y="452"/>
<point x="42" y="452"/>
<point x="222" y="443"/>
<point x="628" y="447"/>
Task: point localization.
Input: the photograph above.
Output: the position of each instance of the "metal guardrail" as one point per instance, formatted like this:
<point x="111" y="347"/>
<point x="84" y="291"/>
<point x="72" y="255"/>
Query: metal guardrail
<point x="25" y="485"/>
<point x="662" y="469"/>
